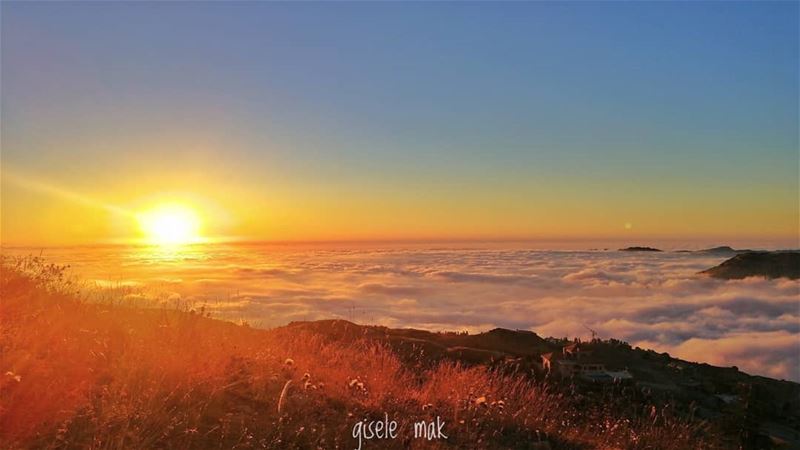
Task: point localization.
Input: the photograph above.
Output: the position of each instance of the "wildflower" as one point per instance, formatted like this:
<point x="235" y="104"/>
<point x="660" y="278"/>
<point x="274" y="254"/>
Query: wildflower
<point x="357" y="384"/>
<point x="16" y="377"/>
<point x="481" y="401"/>
<point x="289" y="362"/>
<point x="306" y="376"/>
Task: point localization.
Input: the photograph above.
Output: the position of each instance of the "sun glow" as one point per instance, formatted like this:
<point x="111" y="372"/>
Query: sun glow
<point x="170" y="225"/>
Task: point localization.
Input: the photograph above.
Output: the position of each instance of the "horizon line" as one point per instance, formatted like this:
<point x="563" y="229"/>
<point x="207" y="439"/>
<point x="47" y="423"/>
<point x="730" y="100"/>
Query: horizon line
<point x="599" y="241"/>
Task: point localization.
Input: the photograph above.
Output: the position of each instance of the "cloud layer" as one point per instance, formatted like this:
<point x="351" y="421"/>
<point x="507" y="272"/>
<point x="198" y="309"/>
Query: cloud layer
<point x="653" y="300"/>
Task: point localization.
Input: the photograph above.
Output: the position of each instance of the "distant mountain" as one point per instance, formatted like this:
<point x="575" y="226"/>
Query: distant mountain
<point x="724" y="249"/>
<point x="640" y="249"/>
<point x="758" y="264"/>
<point x="721" y="250"/>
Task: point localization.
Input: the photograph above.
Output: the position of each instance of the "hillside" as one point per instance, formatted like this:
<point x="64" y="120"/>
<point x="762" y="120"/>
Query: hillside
<point x="81" y="375"/>
<point x="717" y="394"/>
<point x="758" y="264"/>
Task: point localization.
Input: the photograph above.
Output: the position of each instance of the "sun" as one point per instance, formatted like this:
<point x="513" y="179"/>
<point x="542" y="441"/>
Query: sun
<point x="170" y="224"/>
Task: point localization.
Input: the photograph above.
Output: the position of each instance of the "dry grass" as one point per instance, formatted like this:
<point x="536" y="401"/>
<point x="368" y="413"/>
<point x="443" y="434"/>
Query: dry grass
<point x="88" y="375"/>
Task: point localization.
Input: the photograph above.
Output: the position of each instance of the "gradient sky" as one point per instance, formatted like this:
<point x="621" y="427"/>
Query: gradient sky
<point x="314" y="121"/>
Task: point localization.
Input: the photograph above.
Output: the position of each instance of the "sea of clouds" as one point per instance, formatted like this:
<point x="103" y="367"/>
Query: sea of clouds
<point x="653" y="300"/>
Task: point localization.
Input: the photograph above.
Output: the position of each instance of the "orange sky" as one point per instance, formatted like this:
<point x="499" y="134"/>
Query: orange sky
<point x="47" y="213"/>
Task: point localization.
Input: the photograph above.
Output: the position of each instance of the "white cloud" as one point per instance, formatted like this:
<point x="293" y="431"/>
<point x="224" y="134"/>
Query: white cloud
<point x="655" y="300"/>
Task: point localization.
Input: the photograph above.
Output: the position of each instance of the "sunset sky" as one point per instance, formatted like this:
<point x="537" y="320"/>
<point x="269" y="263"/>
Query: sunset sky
<point x="356" y="121"/>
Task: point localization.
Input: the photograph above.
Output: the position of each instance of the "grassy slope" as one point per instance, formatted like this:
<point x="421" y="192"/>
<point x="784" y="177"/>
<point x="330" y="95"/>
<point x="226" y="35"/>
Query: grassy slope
<point x="81" y="375"/>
